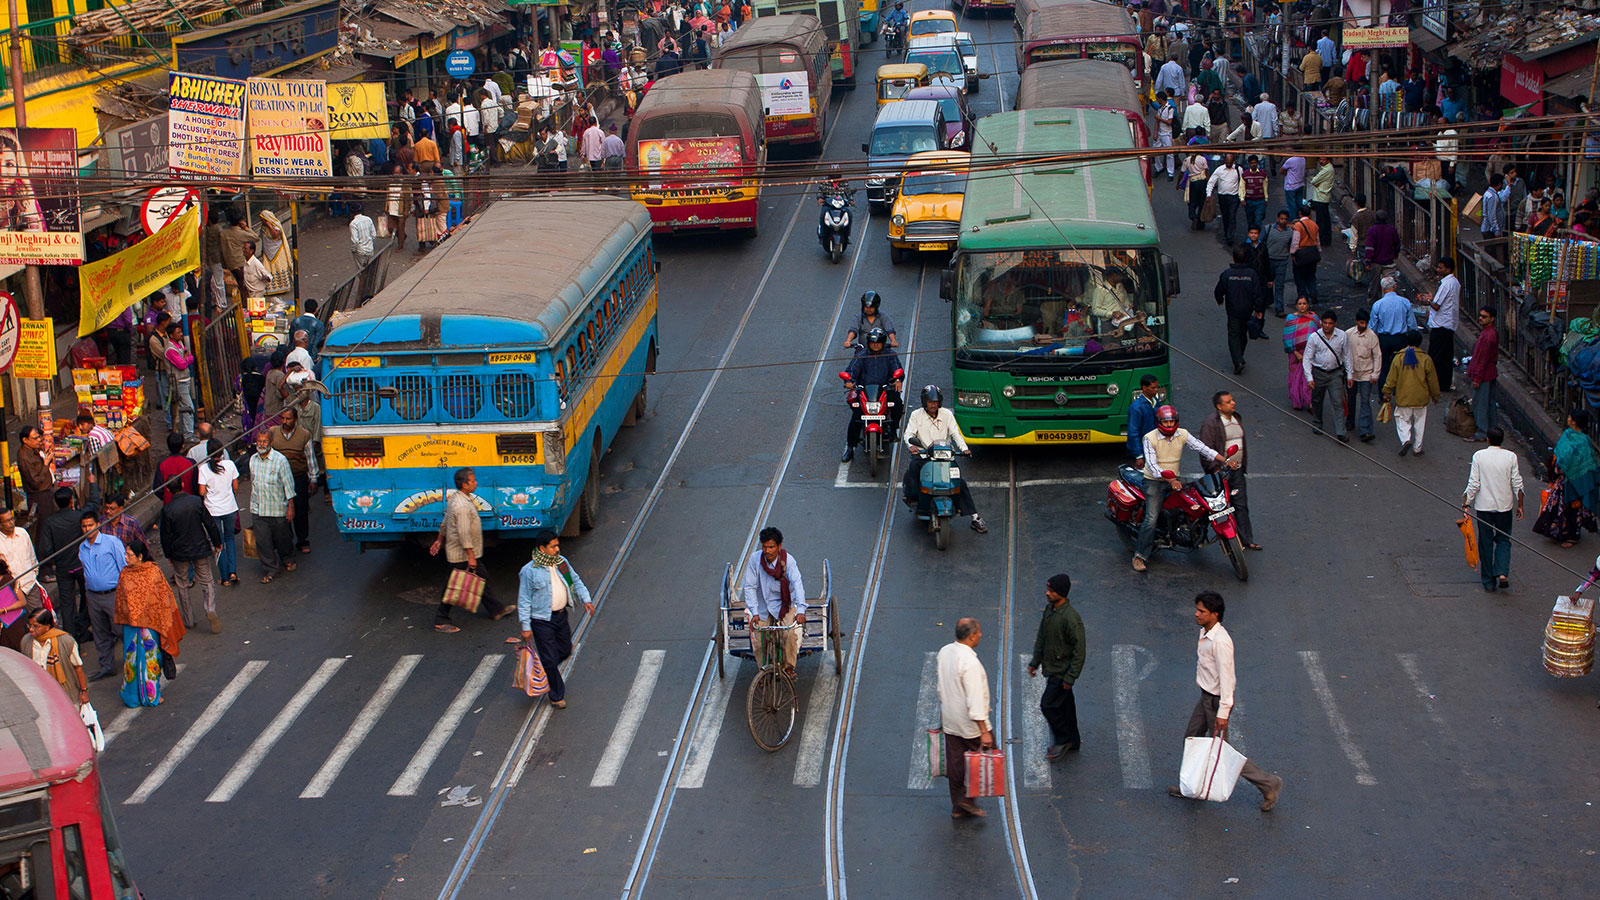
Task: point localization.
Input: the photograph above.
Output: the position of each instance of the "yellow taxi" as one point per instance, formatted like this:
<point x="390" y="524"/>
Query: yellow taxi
<point x="927" y="211"/>
<point x="932" y="21"/>
<point x="897" y="80"/>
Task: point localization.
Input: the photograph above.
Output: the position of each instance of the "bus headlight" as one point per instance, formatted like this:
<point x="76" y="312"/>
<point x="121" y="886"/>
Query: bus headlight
<point x="875" y="182"/>
<point x="1008" y="391"/>
<point x="898" y="220"/>
<point x="979" y="399"/>
<point x="1113" y="389"/>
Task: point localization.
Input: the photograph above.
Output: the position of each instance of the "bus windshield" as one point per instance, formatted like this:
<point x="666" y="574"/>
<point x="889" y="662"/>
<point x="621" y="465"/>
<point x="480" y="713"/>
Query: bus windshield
<point x="903" y="140"/>
<point x="1059" y="306"/>
<point x="934" y="183"/>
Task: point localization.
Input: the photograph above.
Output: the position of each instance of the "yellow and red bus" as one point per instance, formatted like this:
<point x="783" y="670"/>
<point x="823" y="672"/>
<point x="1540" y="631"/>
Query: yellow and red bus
<point x="788" y="55"/>
<point x="695" y="151"/>
<point x="1078" y="29"/>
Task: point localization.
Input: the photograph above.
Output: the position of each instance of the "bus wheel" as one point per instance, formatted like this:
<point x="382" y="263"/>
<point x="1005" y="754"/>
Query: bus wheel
<point x="589" y="501"/>
<point x="640" y="404"/>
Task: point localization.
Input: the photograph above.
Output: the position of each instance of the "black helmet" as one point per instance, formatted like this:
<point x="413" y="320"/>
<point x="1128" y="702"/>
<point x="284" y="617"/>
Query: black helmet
<point x="877" y="336"/>
<point x="931" y="392"/>
<point x="871" y="300"/>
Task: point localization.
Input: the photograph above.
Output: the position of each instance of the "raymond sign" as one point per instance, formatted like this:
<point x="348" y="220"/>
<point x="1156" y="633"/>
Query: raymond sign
<point x="288" y="127"/>
<point x="205" y="124"/>
<point x="39" y="214"/>
<point x="109" y="286"/>
<point x="36" y="349"/>
<point x="358" y="111"/>
<point x="1376" y="38"/>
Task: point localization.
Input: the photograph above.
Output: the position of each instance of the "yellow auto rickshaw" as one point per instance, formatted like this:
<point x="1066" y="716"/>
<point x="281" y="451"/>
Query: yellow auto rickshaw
<point x="894" y="81"/>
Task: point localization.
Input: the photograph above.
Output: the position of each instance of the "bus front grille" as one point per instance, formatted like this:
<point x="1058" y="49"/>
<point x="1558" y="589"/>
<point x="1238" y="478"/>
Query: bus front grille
<point x="1073" y="397"/>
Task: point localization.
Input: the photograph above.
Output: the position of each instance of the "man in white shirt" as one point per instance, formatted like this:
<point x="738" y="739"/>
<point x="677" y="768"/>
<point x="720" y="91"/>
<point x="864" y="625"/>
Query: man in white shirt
<point x="1170" y="78"/>
<point x="1444" y="305"/>
<point x="1327" y="363"/>
<point x="470" y="118"/>
<point x="931" y="424"/>
<point x="489" y="111"/>
<point x="963" y="712"/>
<point x="1493" y="486"/>
<point x="493" y="88"/>
<point x="453" y="111"/>
<point x="363" y="234"/>
<point x="16" y="548"/>
<point x="1265" y="114"/>
<point x="1196" y="116"/>
<point x="256" y="275"/>
<point x="1166" y="113"/>
<point x="592" y="145"/>
<point x="1215" y="676"/>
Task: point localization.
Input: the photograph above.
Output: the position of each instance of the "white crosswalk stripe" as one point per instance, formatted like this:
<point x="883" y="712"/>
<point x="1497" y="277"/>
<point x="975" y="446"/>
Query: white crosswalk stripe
<point x="274" y="732"/>
<point x="1036" y="735"/>
<point x="1408" y="661"/>
<point x="704" y="741"/>
<point x="364" y="722"/>
<point x="1341" y="729"/>
<point x="814" y="733"/>
<point x="1132" y="747"/>
<point x="411" y="779"/>
<point x="927" y="717"/>
<point x="627" y="727"/>
<point x="202" y="726"/>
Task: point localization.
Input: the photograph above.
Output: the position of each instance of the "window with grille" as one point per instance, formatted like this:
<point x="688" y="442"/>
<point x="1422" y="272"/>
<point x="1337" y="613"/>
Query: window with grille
<point x="358" y="397"/>
<point x="413" y="399"/>
<point x="561" y="380"/>
<point x="461" y="395"/>
<point x="513" y="394"/>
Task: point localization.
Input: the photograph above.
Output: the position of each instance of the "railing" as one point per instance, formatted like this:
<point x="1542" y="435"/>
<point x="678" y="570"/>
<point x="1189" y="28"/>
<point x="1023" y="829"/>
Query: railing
<point x="358" y="288"/>
<point x="220" y="348"/>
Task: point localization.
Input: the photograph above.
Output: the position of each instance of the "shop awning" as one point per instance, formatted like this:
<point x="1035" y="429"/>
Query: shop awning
<point x="1573" y="84"/>
<point x="385" y="39"/>
<point x="99" y="218"/>
<point x="7" y="270"/>
<point x="1426" y="40"/>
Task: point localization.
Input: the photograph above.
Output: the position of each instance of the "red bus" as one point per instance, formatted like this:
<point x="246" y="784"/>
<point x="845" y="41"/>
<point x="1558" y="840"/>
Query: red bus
<point x="1087" y="83"/>
<point x="695" y="151"/>
<point x="1078" y="29"/>
<point x="56" y="833"/>
<point x="789" y="57"/>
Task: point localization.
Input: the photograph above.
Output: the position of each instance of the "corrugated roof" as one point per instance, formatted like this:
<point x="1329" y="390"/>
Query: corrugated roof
<point x="1529" y="38"/>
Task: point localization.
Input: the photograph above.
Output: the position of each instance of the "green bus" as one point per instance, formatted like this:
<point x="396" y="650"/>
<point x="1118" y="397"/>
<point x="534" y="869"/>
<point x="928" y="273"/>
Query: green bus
<point x="1059" y="288"/>
<point x="841" y="21"/>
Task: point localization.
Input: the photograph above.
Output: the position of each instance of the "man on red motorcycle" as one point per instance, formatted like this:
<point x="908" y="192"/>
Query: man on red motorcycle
<point x="877" y="366"/>
<point x="1163" y="452"/>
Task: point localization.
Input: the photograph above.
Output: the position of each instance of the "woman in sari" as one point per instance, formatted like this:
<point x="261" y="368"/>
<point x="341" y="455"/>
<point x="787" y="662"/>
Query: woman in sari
<point x="1574" y="485"/>
<point x="151" y="628"/>
<point x="1296" y="331"/>
<point x="12" y="606"/>
<point x="275" y="254"/>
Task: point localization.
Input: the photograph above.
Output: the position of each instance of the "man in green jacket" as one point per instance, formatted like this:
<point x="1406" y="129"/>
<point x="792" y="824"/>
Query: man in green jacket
<point x="1059" y="650"/>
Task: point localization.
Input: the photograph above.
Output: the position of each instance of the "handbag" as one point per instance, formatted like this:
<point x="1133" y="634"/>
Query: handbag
<point x="1469" y="541"/>
<point x="1210" y="769"/>
<point x="936" y="761"/>
<point x="91" y="721"/>
<point x="1386" y="412"/>
<point x="986" y="773"/>
<point x="464" y="589"/>
<point x="1458" y="420"/>
<point x="1208" y="210"/>
<point x="529" y="675"/>
<point x="250" y="551"/>
<point x="1308" y="253"/>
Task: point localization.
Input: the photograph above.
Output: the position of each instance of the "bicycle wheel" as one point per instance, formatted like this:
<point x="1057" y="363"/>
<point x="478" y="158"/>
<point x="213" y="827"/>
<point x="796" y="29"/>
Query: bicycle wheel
<point x="770" y="709"/>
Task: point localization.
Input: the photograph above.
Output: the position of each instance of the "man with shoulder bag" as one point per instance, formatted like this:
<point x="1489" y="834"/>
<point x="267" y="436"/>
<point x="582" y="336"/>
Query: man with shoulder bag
<point x="461" y="538"/>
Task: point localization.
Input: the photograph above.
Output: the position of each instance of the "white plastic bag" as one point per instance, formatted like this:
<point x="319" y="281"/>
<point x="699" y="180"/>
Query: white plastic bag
<point x="91" y="721"/>
<point x="1210" y="769"/>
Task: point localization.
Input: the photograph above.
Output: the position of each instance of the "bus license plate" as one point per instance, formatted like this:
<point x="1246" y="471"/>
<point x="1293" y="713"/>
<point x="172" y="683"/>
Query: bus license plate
<point x="1063" y="435"/>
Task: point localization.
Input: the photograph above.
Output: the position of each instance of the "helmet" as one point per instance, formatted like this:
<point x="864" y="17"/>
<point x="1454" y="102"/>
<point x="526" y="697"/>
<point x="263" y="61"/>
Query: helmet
<point x="871" y="300"/>
<point x="1164" y="413"/>
<point x="931" y="394"/>
<point x="877" y="336"/>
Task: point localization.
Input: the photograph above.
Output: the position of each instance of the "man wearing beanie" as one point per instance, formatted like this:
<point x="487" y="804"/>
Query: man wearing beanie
<point x="1059" y="649"/>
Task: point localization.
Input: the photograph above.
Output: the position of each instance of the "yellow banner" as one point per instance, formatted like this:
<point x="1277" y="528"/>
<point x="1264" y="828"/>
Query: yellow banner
<point x="358" y="111"/>
<point x="36" y="349"/>
<point x="108" y="287"/>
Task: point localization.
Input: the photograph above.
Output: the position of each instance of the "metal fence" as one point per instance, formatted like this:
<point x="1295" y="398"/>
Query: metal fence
<point x="355" y="290"/>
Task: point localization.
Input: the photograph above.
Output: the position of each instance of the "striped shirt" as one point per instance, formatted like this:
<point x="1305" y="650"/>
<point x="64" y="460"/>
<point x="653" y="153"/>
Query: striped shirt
<point x="271" y="485"/>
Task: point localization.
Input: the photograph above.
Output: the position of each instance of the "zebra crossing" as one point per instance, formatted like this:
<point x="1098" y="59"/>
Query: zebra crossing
<point x="1131" y="668"/>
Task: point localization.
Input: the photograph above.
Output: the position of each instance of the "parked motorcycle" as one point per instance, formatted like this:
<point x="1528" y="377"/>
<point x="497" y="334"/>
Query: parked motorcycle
<point x="871" y="404"/>
<point x="941" y="478"/>
<point x="1196" y="515"/>
<point x="833" y="224"/>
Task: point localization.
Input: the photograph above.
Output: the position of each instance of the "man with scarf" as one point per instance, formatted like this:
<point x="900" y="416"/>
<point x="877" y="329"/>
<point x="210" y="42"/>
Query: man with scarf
<point x="545" y="589"/>
<point x="774" y="595"/>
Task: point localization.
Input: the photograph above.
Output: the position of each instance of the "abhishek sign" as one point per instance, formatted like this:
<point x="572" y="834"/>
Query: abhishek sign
<point x="205" y="124"/>
<point x="288" y="127"/>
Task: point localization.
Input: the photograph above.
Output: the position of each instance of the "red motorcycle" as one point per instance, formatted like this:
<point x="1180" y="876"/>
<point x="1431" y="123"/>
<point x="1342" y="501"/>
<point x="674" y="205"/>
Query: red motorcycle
<point x="1192" y="517"/>
<point x="870" y="403"/>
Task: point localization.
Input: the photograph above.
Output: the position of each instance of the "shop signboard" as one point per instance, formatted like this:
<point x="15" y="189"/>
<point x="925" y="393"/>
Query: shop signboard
<point x="205" y="124"/>
<point x="139" y="150"/>
<point x="1522" y="83"/>
<point x="9" y="329"/>
<point x="288" y="128"/>
<point x="108" y="286"/>
<point x="460" y="64"/>
<point x="1435" y="18"/>
<point x="358" y="110"/>
<point x="40" y="220"/>
<point x="1376" y="38"/>
<point x="36" y="349"/>
<point x="261" y="45"/>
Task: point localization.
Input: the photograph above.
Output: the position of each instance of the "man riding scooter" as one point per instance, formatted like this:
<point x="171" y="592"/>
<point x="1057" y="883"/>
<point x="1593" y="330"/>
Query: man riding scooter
<point x="1163" y="452"/>
<point x="877" y="366"/>
<point x="931" y="424"/>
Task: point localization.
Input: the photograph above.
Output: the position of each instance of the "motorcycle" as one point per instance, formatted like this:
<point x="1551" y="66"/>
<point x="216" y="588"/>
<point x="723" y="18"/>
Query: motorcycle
<point x="894" y="42"/>
<point x="1198" y="514"/>
<point x="940" y="480"/>
<point x="871" y="405"/>
<point x="833" y="225"/>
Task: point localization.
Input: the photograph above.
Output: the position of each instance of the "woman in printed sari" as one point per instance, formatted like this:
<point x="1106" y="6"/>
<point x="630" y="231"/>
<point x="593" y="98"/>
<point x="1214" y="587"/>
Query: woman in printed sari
<point x="1296" y="331"/>
<point x="1574" y="485"/>
<point x="151" y="628"/>
<point x="275" y="254"/>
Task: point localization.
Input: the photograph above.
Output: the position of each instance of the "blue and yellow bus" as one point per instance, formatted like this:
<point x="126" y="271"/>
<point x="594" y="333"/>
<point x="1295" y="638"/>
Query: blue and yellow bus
<point x="519" y="352"/>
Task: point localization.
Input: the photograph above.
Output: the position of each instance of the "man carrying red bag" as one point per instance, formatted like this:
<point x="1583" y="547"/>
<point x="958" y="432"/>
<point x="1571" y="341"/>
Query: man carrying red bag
<point x="964" y="712"/>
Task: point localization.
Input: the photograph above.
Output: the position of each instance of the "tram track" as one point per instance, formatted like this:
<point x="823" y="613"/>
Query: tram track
<point x="537" y="719"/>
<point x="1010" y="814"/>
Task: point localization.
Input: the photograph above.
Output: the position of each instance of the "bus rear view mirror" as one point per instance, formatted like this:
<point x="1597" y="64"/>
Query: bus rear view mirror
<point x="1170" y="267"/>
<point x="947" y="284"/>
<point x="866" y="148"/>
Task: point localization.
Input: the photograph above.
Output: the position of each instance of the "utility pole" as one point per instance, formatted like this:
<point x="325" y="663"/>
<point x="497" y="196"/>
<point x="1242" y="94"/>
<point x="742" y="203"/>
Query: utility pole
<point x="32" y="287"/>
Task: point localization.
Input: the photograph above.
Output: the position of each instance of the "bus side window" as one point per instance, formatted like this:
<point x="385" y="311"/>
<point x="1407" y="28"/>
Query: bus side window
<point x="561" y="381"/>
<point x="573" y="372"/>
<point x="583" y="351"/>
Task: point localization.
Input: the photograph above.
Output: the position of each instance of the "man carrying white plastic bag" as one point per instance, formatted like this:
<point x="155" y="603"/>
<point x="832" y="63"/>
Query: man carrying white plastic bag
<point x="1210" y="766"/>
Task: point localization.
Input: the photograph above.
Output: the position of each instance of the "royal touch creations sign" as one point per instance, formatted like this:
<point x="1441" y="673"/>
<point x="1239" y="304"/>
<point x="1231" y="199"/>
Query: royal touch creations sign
<point x="288" y="127"/>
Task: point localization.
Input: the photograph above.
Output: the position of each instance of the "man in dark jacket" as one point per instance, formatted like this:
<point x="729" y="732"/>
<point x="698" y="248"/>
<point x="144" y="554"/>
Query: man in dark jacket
<point x="877" y="366"/>
<point x="1222" y="430"/>
<point x="1239" y="291"/>
<point x="1059" y="649"/>
<point x="1256" y="256"/>
<point x="189" y="536"/>
<point x="58" y="537"/>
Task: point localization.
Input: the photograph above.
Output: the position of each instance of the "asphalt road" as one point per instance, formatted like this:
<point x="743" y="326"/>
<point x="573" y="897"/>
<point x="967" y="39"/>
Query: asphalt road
<point x="1424" y="749"/>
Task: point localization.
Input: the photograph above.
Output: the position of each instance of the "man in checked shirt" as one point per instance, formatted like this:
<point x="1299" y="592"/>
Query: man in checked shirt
<point x="1214" y="674"/>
